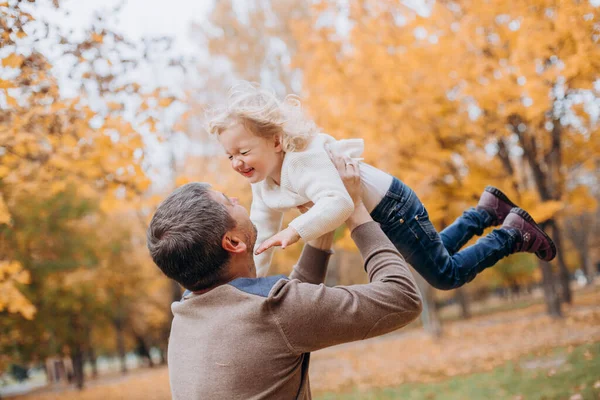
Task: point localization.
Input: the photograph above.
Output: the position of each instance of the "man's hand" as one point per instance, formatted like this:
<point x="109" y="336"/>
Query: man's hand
<point x="350" y="174"/>
<point x="284" y="238"/>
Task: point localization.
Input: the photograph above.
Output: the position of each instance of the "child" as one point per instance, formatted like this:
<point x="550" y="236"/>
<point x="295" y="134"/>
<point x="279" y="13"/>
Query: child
<point x="287" y="163"/>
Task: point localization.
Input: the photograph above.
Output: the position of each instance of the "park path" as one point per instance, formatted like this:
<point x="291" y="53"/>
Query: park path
<point x="475" y="345"/>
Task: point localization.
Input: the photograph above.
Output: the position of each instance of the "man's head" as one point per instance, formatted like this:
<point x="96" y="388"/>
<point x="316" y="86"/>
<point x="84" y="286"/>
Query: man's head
<point x="199" y="237"/>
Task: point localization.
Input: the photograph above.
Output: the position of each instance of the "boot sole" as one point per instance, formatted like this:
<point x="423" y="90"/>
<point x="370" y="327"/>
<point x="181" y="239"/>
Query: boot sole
<point x="525" y="215"/>
<point x="498" y="193"/>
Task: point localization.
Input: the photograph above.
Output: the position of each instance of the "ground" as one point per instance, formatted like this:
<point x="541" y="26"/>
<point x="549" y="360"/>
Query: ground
<point x="487" y="348"/>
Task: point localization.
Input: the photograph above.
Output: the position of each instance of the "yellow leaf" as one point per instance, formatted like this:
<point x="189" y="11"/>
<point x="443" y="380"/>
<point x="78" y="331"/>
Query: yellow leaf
<point x="4" y="171"/>
<point x="98" y="38"/>
<point x="11" y="101"/>
<point x="182" y="180"/>
<point x="114" y="106"/>
<point x="4" y="214"/>
<point x="58" y="187"/>
<point x="152" y="123"/>
<point x="12" y="61"/>
<point x="12" y="272"/>
<point x="6" y="84"/>
<point x="546" y="210"/>
<point x="166" y="102"/>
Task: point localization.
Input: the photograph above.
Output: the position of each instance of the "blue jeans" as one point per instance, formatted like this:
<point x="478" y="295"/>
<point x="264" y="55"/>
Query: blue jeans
<point x="436" y="257"/>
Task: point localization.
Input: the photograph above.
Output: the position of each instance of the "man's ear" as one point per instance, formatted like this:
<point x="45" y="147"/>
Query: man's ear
<point x="233" y="243"/>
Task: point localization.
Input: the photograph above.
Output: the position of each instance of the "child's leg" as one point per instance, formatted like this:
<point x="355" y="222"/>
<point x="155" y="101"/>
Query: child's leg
<point x="471" y="223"/>
<point x="492" y="209"/>
<point x="406" y="222"/>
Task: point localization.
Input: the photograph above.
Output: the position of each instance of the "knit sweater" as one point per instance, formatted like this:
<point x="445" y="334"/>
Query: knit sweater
<point x="310" y="176"/>
<point x="252" y="338"/>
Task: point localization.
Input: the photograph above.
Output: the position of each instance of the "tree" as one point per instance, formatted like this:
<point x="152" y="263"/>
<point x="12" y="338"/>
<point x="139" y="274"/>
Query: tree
<point x="69" y="164"/>
<point x="537" y="55"/>
<point x="486" y="115"/>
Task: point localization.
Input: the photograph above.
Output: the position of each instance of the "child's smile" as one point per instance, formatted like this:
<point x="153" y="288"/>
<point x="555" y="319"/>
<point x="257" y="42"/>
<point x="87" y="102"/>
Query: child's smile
<point x="247" y="172"/>
<point x="254" y="157"/>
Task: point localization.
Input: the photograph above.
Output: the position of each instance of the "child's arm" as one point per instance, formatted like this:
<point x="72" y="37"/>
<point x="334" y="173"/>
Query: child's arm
<point x="314" y="176"/>
<point x="268" y="222"/>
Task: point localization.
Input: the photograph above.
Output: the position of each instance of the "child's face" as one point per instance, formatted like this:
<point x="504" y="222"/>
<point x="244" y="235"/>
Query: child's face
<point x="252" y="156"/>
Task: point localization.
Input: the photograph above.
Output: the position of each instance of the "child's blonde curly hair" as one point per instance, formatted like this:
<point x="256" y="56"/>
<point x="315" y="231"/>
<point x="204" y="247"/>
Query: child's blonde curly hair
<point x="262" y="113"/>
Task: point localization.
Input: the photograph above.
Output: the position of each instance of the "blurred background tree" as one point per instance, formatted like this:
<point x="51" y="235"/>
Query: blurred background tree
<point x="468" y="95"/>
<point x="449" y="97"/>
<point x="74" y="191"/>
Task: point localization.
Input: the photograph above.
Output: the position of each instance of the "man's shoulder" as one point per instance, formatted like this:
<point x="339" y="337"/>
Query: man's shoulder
<point x="257" y="286"/>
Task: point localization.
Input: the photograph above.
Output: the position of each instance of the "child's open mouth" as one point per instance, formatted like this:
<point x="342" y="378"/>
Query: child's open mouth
<point x="248" y="172"/>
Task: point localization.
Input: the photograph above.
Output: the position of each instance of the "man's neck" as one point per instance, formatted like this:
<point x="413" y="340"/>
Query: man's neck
<point x="234" y="272"/>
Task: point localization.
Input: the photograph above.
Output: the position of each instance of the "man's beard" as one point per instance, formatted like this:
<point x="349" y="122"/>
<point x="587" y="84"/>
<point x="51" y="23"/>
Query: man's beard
<point x="250" y="236"/>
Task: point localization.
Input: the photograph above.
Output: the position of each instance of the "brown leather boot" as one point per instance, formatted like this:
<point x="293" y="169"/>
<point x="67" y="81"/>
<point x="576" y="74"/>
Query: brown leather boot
<point x="496" y="203"/>
<point x="532" y="238"/>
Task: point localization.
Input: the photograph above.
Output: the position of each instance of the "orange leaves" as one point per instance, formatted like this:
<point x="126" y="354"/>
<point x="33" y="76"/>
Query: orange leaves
<point x="12" y="61"/>
<point x="481" y="344"/>
<point x="580" y="200"/>
<point x="11" y="275"/>
<point x="151" y="123"/>
<point x="542" y="212"/>
<point x="4" y="84"/>
<point x="98" y="38"/>
<point x="4" y="214"/>
<point x="165" y="102"/>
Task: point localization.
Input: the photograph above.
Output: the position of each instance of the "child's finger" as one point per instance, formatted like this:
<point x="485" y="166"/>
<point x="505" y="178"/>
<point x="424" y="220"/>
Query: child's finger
<point x="267" y="244"/>
<point x="262" y="247"/>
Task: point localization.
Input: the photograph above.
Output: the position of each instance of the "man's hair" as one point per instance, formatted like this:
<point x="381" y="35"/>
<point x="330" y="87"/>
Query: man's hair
<point x="184" y="237"/>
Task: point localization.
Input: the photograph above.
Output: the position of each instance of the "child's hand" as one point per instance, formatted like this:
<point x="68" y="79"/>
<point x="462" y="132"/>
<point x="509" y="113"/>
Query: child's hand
<point x="284" y="238"/>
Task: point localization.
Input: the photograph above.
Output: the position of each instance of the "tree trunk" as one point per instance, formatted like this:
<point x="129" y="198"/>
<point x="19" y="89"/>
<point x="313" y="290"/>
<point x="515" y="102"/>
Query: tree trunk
<point x="564" y="279"/>
<point x="463" y="301"/>
<point x="586" y="263"/>
<point x="93" y="362"/>
<point x="551" y="296"/>
<point x="580" y="231"/>
<point x="118" y="323"/>
<point x="143" y="350"/>
<point x="77" y="360"/>
<point x="163" y="355"/>
<point x="429" y="316"/>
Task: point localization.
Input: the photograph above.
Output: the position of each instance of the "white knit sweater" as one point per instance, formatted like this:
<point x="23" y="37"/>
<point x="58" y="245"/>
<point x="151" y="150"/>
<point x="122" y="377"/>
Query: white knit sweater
<point x="310" y="176"/>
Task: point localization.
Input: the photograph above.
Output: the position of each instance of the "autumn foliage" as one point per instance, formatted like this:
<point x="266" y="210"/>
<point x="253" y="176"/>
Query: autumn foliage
<point x="449" y="98"/>
<point x="74" y="193"/>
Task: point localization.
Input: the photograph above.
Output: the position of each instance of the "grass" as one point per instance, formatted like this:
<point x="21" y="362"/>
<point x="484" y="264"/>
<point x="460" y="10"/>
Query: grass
<point x="558" y="374"/>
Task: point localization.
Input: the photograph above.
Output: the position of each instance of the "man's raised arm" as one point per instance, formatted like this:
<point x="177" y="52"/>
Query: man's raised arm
<point x="312" y="264"/>
<point x="311" y="317"/>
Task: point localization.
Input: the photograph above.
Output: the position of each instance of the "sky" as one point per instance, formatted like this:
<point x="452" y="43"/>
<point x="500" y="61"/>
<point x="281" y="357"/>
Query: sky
<point x="144" y="18"/>
<point x="135" y="20"/>
<point x="173" y="18"/>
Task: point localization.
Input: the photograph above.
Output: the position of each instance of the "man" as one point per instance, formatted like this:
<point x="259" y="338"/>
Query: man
<point x="235" y="336"/>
